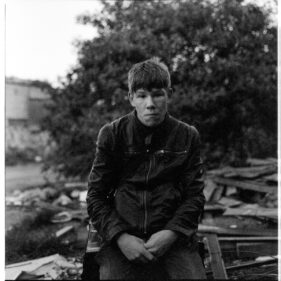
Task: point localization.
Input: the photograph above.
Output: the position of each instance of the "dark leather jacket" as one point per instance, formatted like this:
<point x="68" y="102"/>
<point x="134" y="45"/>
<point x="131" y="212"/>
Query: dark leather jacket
<point x="145" y="180"/>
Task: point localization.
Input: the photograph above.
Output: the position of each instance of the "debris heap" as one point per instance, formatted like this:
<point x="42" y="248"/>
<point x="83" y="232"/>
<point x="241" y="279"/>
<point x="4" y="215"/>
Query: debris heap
<point x="239" y="224"/>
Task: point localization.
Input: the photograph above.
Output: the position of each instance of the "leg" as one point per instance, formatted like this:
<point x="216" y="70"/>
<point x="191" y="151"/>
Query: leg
<point x="183" y="262"/>
<point x="115" y="266"/>
<point x="90" y="268"/>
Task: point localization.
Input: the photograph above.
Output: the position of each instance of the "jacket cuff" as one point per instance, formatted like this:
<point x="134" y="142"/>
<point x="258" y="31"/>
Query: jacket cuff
<point x="114" y="232"/>
<point x="184" y="233"/>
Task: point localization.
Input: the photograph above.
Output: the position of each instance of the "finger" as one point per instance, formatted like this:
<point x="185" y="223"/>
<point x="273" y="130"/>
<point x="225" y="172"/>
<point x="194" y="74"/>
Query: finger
<point x="148" y="244"/>
<point x="152" y="251"/>
<point x="144" y="260"/>
<point x="141" y="259"/>
<point x="149" y="256"/>
<point x="140" y="240"/>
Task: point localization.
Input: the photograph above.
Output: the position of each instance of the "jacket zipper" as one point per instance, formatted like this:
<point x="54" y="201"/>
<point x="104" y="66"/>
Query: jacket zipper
<point x="145" y="212"/>
<point x="145" y="197"/>
<point x="168" y="151"/>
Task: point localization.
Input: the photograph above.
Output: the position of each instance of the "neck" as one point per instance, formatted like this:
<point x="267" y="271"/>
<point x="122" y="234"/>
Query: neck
<point x="149" y="129"/>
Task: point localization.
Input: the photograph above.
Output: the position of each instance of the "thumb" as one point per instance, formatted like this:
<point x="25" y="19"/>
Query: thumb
<point x="148" y="244"/>
<point x="148" y="255"/>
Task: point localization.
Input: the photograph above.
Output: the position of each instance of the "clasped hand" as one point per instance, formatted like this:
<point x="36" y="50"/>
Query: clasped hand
<point x="135" y="249"/>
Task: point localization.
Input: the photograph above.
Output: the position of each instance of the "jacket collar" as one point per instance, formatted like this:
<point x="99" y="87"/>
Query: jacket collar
<point x="142" y="131"/>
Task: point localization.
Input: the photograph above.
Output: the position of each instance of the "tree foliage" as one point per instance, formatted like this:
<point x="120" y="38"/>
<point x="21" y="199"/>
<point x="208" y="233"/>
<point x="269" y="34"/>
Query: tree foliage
<point x="222" y="58"/>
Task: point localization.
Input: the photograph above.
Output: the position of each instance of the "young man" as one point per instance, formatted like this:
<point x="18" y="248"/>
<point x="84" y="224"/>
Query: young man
<point x="145" y="191"/>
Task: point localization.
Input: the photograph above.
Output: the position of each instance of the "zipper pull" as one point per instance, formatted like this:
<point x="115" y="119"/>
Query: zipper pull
<point x="147" y="142"/>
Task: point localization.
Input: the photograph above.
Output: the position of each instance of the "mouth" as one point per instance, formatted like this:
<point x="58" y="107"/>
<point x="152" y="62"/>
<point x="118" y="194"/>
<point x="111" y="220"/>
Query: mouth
<point x="151" y="114"/>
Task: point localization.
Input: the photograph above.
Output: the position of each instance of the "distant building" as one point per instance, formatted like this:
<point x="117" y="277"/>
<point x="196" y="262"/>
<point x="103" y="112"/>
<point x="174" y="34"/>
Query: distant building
<point x="25" y="108"/>
<point x="25" y="103"/>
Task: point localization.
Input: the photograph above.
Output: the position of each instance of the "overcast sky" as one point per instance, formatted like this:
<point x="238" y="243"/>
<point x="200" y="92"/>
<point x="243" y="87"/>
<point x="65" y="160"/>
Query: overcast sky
<point x="40" y="36"/>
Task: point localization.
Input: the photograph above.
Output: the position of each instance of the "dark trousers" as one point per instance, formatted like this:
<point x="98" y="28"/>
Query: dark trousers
<point x="180" y="262"/>
<point x="91" y="270"/>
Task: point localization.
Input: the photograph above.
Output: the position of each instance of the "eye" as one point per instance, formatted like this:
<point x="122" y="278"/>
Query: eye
<point x="141" y="94"/>
<point x="158" y="94"/>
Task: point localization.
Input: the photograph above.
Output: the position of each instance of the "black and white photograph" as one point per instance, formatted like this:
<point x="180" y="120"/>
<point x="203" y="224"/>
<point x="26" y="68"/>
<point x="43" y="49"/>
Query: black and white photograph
<point x="141" y="140"/>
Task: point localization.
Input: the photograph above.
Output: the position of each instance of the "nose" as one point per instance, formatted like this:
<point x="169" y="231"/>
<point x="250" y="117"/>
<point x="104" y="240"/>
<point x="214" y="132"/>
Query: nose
<point x="150" y="103"/>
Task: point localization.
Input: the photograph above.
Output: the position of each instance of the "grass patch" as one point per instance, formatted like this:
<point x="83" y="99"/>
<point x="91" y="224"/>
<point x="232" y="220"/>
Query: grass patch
<point x="35" y="238"/>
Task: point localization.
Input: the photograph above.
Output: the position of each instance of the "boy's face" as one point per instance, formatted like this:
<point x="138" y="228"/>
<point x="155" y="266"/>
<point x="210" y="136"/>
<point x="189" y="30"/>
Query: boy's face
<point x="151" y="105"/>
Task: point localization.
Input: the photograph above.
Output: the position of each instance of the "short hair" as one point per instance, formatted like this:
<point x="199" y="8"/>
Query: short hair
<point x="149" y="74"/>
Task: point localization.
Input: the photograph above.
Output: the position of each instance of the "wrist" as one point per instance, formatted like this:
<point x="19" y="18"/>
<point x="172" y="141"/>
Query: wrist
<point x="173" y="235"/>
<point x="121" y="237"/>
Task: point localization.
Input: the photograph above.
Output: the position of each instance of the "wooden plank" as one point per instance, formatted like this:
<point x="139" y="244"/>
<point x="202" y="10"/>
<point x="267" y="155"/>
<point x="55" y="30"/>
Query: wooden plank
<point x="248" y="239"/>
<point x="217" y="194"/>
<point x="77" y="185"/>
<point x="259" y="162"/>
<point x="247" y="172"/>
<point x="229" y="202"/>
<point x="246" y="185"/>
<point x="214" y="208"/>
<point x="251" y="211"/>
<point x="236" y="231"/>
<point x="209" y="189"/>
<point x="251" y="172"/>
<point x="251" y="264"/>
<point x="230" y="190"/>
<point x="249" y="247"/>
<point x="257" y="249"/>
<point x="64" y="230"/>
<point x="208" y="218"/>
<point x="272" y="179"/>
<point x="272" y="260"/>
<point x="217" y="263"/>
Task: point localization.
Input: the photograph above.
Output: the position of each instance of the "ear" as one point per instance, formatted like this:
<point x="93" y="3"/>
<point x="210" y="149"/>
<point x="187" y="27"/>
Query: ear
<point x="170" y="92"/>
<point x="131" y="98"/>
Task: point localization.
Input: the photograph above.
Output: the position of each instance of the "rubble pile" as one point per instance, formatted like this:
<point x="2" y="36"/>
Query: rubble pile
<point x="66" y="222"/>
<point x="238" y="227"/>
<point x="247" y="191"/>
<point x="54" y="267"/>
<point x="56" y="196"/>
<point x="239" y="224"/>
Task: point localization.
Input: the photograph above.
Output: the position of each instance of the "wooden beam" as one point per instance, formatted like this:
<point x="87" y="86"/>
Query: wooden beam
<point x="251" y="173"/>
<point x="64" y="230"/>
<point x="251" y="210"/>
<point x="258" y="162"/>
<point x="248" y="265"/>
<point x="246" y="185"/>
<point x="236" y="231"/>
<point x="217" y="263"/>
<point x="249" y="247"/>
<point x="251" y="264"/>
<point x="248" y="239"/>
<point x="256" y="249"/>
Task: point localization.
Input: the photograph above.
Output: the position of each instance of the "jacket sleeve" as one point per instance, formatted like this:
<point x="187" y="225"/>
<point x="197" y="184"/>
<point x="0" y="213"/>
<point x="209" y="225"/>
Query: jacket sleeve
<point x="101" y="184"/>
<point x="186" y="217"/>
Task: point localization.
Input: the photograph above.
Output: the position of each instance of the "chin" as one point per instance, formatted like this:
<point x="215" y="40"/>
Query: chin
<point x="152" y="124"/>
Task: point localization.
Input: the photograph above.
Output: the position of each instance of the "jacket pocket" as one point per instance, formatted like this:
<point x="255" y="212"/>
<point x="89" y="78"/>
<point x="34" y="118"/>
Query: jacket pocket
<point x="132" y="164"/>
<point x="168" y="156"/>
<point x="130" y="157"/>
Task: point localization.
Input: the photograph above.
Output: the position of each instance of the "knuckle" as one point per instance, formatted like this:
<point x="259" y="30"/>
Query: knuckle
<point x="133" y="259"/>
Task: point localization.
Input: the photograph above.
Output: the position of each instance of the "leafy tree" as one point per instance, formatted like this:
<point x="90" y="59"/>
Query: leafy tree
<point x="222" y="57"/>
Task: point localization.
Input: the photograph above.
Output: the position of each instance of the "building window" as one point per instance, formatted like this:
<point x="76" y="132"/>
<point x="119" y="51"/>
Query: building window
<point x="17" y="122"/>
